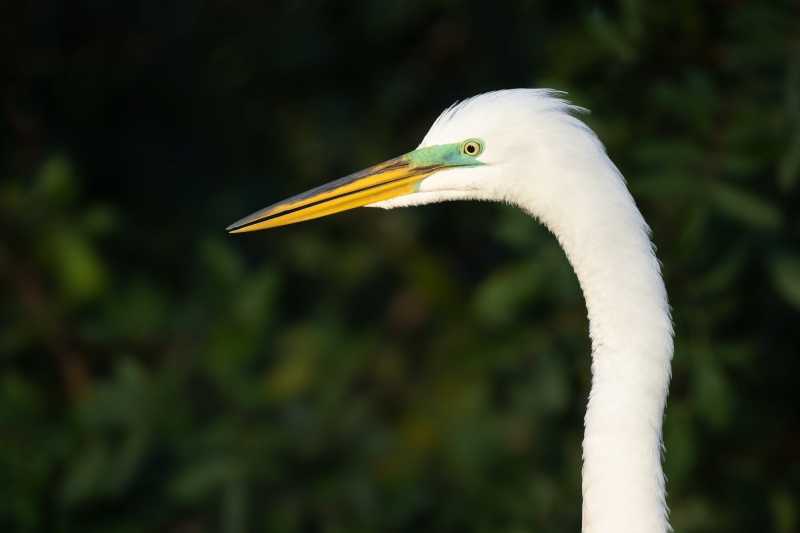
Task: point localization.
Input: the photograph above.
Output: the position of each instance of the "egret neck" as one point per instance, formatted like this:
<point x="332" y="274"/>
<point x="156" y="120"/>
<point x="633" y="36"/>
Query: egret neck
<point x="631" y="334"/>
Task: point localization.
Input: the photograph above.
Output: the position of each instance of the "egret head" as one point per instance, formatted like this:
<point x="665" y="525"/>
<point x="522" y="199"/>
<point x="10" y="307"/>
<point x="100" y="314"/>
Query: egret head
<point x="478" y="149"/>
<point x="526" y="147"/>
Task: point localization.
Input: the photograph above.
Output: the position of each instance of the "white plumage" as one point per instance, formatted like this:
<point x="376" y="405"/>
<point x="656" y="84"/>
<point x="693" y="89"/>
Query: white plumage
<point x="537" y="155"/>
<point x="540" y="157"/>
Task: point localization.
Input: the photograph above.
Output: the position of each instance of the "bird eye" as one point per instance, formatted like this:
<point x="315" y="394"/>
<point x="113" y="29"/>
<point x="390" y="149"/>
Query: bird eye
<point x="472" y="148"/>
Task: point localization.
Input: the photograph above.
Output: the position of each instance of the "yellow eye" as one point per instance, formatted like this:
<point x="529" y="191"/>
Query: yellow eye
<point x="472" y="148"/>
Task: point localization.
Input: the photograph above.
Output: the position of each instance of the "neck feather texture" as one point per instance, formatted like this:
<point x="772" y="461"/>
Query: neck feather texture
<point x="607" y="243"/>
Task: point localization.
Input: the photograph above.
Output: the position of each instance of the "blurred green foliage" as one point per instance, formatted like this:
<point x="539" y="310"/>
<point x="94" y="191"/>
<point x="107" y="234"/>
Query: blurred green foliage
<point x="418" y="370"/>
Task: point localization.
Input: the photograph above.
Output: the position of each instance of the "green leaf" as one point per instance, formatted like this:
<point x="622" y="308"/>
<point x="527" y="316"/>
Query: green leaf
<point x="747" y="208"/>
<point x="198" y="480"/>
<point x="86" y="475"/>
<point x="56" y="180"/>
<point x="711" y="392"/>
<point x="784" y="512"/>
<point x="789" y="168"/>
<point x="785" y="277"/>
<point x="81" y="272"/>
<point x="498" y="299"/>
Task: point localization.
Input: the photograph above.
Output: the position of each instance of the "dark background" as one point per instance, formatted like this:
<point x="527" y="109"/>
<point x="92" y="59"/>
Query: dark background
<point x="423" y="369"/>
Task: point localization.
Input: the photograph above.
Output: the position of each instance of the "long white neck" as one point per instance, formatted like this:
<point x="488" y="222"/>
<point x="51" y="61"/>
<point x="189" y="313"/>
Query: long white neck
<point x="545" y="160"/>
<point x="607" y="243"/>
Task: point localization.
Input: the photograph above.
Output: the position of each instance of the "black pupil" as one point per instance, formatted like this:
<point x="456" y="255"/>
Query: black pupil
<point x="470" y="148"/>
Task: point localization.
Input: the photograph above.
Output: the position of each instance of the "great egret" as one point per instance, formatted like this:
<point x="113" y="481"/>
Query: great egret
<point x="526" y="147"/>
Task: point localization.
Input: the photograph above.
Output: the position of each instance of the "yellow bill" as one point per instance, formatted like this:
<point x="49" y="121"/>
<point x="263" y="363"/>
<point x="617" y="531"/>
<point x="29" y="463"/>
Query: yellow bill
<point x="396" y="177"/>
